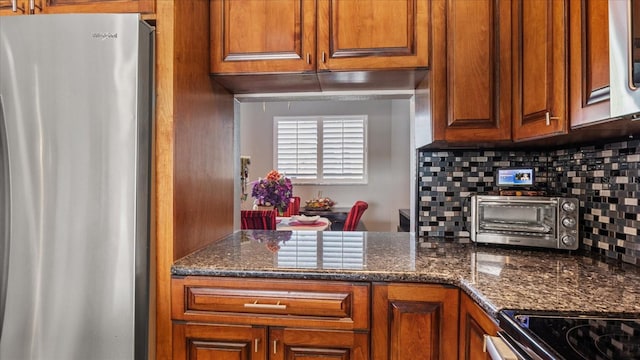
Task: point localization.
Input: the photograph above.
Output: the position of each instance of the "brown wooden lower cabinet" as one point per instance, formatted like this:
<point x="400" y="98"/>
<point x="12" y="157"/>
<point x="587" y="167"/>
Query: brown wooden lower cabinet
<point x="212" y="341"/>
<point x="275" y="319"/>
<point x="474" y="324"/>
<point x="196" y="341"/>
<point x="414" y="321"/>
<point x="318" y="344"/>
<point x="247" y="319"/>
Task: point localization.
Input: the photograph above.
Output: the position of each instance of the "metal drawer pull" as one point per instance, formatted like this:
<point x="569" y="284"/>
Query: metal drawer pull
<point x="15" y="7"/>
<point x="549" y="118"/>
<point x="275" y="347"/>
<point x="33" y="6"/>
<point x="255" y="345"/>
<point x="255" y="305"/>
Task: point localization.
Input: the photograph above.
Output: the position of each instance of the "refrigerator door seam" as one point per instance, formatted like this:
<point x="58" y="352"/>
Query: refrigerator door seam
<point x="5" y="206"/>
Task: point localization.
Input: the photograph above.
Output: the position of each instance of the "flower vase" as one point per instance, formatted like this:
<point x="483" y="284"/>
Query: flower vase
<point x="263" y="208"/>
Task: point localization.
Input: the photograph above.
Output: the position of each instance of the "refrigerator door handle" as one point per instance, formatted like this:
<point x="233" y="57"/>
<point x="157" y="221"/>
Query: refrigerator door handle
<point x="5" y="216"/>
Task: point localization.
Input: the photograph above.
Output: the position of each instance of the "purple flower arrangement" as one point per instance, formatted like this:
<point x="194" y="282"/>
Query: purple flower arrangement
<point x="275" y="190"/>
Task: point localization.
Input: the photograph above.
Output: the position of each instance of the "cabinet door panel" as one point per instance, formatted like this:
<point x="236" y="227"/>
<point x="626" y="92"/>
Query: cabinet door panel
<point x="474" y="324"/>
<point x="471" y="59"/>
<point x="262" y="36"/>
<point x="303" y="344"/>
<point x="405" y="338"/>
<point x="471" y="77"/>
<point x="541" y="65"/>
<point x="220" y="342"/>
<point x="372" y="34"/>
<point x="412" y="321"/>
<point x="537" y="50"/>
<point x="589" y="61"/>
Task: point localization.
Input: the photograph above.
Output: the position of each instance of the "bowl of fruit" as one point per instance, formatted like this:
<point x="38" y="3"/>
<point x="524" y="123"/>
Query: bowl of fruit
<point x="319" y="204"/>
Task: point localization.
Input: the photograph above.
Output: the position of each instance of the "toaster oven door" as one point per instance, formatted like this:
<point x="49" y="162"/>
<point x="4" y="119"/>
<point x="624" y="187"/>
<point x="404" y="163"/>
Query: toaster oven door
<point x="516" y="220"/>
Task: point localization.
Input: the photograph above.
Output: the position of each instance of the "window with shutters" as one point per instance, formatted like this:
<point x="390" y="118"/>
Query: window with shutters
<point x="322" y="149"/>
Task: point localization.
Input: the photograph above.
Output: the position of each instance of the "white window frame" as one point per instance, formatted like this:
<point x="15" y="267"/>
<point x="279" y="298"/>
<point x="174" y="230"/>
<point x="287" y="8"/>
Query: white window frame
<point x="320" y="180"/>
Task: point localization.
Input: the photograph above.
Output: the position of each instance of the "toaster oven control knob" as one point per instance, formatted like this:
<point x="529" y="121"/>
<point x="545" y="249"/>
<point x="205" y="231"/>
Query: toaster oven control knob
<point x="569" y="222"/>
<point x="569" y="206"/>
<point x="568" y="240"/>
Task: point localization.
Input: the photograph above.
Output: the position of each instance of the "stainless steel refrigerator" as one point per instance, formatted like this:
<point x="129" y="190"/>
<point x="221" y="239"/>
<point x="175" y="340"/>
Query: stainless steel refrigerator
<point x="75" y="141"/>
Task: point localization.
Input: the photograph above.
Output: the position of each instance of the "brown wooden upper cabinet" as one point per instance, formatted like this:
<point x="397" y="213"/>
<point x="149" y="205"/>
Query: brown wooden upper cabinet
<point x="373" y="34"/>
<point x="290" y="36"/>
<point x="470" y="81"/>
<point x="27" y="7"/>
<point x="6" y="7"/>
<point x="263" y="36"/>
<point x="540" y="69"/>
<point x="501" y="77"/>
<point x="589" y="61"/>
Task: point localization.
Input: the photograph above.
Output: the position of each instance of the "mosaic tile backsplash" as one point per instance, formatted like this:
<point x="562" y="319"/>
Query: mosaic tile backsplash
<point x="605" y="178"/>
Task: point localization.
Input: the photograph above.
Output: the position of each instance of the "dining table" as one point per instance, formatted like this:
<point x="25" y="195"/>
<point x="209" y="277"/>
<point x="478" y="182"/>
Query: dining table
<point x="336" y="214"/>
<point x="291" y="223"/>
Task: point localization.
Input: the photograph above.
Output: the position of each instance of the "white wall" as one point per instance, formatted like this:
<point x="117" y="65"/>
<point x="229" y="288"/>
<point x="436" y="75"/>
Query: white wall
<point x="389" y="153"/>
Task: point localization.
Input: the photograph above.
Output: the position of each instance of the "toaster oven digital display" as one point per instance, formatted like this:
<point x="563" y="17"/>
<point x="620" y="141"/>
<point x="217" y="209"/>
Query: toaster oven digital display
<point x="515" y="177"/>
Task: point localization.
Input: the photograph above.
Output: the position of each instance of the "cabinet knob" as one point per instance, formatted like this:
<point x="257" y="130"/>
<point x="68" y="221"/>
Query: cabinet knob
<point x="548" y="118"/>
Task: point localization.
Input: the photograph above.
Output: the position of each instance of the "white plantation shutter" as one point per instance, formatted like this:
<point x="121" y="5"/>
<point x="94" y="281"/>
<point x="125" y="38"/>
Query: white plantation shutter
<point x="321" y="149"/>
<point x="297" y="147"/>
<point x="343" y="148"/>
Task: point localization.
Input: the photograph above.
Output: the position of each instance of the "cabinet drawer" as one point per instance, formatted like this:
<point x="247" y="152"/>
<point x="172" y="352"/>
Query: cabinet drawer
<point x="331" y="304"/>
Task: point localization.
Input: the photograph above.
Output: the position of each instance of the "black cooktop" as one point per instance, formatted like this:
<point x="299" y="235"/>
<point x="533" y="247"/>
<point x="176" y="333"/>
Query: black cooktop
<point x="556" y="336"/>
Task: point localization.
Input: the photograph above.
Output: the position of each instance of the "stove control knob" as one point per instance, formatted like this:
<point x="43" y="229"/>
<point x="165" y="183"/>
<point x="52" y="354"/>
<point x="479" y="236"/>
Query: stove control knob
<point x="568" y="240"/>
<point x="569" y="206"/>
<point x="569" y="222"/>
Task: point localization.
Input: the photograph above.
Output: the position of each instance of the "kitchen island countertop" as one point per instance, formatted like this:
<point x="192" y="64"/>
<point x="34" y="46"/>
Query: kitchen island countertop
<point x="496" y="277"/>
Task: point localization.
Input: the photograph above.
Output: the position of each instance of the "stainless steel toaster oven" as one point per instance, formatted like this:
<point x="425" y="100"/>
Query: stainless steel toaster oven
<point x="538" y="221"/>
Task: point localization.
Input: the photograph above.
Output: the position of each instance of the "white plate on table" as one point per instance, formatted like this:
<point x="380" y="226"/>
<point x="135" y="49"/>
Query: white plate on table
<point x="302" y="219"/>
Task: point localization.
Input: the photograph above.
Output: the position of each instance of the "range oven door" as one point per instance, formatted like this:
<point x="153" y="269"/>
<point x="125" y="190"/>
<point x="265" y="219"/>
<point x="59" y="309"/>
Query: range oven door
<point x="504" y="347"/>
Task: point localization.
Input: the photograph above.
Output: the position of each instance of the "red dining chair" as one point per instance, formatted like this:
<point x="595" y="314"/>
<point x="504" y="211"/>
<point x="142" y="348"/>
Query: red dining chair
<point x="354" y="215"/>
<point x="294" y="207"/>
<point x="258" y="219"/>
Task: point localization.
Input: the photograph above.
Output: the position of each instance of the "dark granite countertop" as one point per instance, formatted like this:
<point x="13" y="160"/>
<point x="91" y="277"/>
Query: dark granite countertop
<point x="497" y="278"/>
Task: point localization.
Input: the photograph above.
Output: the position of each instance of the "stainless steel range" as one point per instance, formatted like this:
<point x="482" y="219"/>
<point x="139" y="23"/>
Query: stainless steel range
<point x="549" y="336"/>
